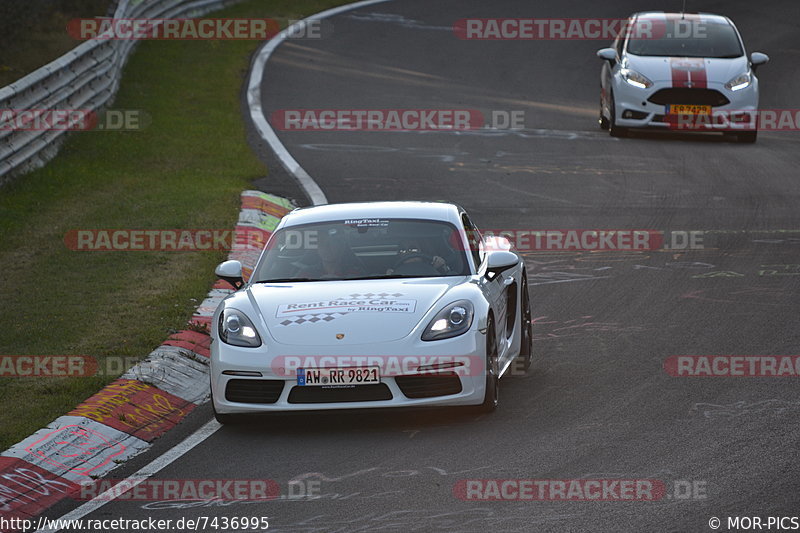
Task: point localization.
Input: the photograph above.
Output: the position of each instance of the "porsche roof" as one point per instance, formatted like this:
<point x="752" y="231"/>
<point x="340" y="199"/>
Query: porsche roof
<point x="421" y="210"/>
<point x="707" y="17"/>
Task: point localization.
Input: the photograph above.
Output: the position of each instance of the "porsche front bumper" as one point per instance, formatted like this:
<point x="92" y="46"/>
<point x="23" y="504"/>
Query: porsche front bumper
<point x="256" y="380"/>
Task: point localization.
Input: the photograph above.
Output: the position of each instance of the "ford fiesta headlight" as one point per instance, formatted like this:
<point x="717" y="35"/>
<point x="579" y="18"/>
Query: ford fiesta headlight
<point x="236" y="329"/>
<point x="635" y="79"/>
<point x="452" y="321"/>
<point x="740" y="82"/>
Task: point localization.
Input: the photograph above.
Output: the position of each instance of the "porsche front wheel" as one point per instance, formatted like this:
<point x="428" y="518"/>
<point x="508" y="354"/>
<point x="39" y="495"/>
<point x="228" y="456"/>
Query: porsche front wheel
<point x="491" y="395"/>
<point x="526" y="328"/>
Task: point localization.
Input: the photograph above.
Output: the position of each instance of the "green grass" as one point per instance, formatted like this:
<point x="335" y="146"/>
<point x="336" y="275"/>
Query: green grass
<point x="185" y="170"/>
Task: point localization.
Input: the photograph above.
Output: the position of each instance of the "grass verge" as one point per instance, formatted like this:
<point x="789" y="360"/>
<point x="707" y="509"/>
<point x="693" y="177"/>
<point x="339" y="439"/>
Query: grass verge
<point x="185" y="170"/>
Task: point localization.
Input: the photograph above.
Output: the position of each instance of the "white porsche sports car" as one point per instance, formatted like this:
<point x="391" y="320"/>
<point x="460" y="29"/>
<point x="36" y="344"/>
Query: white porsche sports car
<point x="368" y="305"/>
<point x="680" y="71"/>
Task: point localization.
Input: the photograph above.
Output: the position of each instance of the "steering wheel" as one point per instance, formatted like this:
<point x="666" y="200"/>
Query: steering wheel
<point x="427" y="259"/>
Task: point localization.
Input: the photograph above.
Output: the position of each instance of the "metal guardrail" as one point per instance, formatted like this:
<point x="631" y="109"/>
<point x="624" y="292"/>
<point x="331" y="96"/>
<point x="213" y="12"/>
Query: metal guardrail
<point x="86" y="78"/>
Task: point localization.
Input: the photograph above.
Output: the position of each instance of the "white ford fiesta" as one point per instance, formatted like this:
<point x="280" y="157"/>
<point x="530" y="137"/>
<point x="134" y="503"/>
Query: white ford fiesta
<point x="680" y="71"/>
<point x="371" y="305"/>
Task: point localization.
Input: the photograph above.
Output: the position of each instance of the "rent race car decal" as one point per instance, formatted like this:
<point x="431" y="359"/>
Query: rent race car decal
<point x="350" y="305"/>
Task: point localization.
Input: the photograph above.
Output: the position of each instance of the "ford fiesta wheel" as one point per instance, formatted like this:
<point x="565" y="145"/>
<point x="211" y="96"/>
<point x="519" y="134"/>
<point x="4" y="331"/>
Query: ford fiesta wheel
<point x="604" y="124"/>
<point x="613" y="129"/>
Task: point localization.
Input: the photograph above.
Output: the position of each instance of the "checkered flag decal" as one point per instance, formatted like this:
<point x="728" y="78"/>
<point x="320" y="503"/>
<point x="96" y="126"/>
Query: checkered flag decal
<point x="311" y="317"/>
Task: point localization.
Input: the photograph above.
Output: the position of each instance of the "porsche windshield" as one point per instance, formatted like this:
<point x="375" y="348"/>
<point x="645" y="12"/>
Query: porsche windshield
<point x="363" y="249"/>
<point x="688" y="38"/>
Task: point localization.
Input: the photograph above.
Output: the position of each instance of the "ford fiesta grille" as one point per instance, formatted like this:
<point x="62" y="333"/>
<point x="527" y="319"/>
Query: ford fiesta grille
<point x="429" y="386"/>
<point x="254" y="390"/>
<point x="687" y="96"/>
<point x="355" y="393"/>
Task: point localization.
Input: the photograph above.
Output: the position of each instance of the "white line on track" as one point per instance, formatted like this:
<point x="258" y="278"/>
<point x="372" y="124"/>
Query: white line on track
<point x="257" y="113"/>
<point x="148" y="471"/>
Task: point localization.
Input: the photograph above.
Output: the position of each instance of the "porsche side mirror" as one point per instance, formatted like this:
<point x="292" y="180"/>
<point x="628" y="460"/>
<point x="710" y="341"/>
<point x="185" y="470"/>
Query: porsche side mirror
<point x="757" y="59"/>
<point x="609" y="54"/>
<point x="500" y="261"/>
<point x="230" y="271"/>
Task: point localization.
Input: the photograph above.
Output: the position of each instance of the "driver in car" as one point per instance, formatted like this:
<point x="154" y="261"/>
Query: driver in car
<point x="334" y="258"/>
<point x="411" y="252"/>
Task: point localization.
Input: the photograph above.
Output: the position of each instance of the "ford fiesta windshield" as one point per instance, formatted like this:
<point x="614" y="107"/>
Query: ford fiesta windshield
<point x="363" y="249"/>
<point x="685" y="38"/>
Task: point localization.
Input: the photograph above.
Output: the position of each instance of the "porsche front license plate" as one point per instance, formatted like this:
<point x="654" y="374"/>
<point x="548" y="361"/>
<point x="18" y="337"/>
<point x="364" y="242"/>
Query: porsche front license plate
<point x="688" y="110"/>
<point x="327" y="377"/>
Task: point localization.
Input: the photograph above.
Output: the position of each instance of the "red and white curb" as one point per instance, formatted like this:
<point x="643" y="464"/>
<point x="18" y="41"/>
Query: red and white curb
<point x="260" y="214"/>
<point x="126" y="416"/>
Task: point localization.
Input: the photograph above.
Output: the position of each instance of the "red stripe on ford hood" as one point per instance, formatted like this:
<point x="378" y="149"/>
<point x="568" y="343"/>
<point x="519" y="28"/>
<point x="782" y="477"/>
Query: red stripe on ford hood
<point x="689" y="72"/>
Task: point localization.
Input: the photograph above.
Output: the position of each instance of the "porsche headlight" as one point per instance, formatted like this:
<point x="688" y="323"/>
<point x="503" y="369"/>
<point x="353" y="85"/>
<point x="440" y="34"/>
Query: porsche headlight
<point x="740" y="82"/>
<point x="635" y="79"/>
<point x="452" y="321"/>
<point x="236" y="329"/>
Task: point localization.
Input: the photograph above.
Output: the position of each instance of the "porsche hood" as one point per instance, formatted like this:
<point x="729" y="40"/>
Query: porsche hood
<point x="347" y="313"/>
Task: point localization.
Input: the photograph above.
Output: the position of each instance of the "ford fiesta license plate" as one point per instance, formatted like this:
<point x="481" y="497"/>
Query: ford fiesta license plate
<point x="332" y="377"/>
<point x="688" y="110"/>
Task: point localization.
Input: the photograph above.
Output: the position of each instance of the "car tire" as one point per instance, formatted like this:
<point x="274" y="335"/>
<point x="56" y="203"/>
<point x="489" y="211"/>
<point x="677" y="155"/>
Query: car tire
<point x="227" y="419"/>
<point x="491" y="394"/>
<point x="748" y="137"/>
<point x="613" y="129"/>
<point x="525" y="356"/>
<point x="604" y="124"/>
<point x="224" y="418"/>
